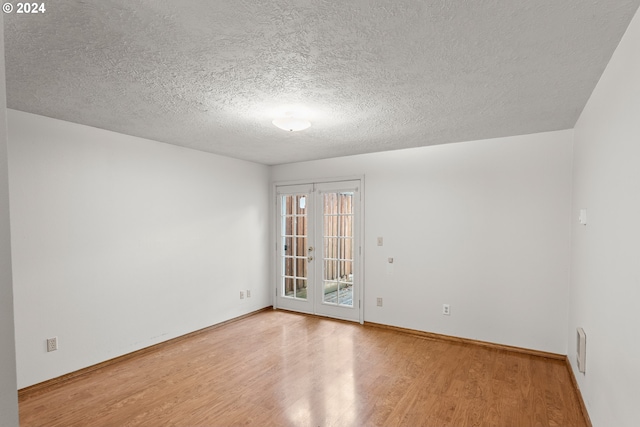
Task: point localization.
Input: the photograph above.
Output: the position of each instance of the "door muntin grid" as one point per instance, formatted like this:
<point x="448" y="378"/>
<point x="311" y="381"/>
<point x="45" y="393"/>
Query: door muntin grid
<point x="294" y="241"/>
<point x="338" y="248"/>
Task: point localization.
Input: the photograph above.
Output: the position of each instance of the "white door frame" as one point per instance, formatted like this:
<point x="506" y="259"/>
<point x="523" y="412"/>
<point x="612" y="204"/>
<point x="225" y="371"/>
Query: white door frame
<point x="360" y="252"/>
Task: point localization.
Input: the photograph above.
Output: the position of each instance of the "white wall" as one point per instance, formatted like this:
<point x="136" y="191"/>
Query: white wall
<point x="483" y="226"/>
<point x="8" y="393"/>
<point x="605" y="284"/>
<point x="120" y="242"/>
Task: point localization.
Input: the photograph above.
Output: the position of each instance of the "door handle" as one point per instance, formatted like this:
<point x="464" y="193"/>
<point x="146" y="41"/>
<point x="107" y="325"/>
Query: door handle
<point x="309" y="259"/>
<point x="310" y="249"/>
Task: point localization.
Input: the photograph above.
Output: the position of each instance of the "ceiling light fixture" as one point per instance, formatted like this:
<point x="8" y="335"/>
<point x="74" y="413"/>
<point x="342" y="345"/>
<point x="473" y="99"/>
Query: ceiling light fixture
<point x="290" y="123"/>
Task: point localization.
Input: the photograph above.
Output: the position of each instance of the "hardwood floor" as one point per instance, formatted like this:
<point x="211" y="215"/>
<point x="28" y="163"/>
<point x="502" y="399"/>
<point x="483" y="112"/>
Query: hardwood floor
<point x="279" y="368"/>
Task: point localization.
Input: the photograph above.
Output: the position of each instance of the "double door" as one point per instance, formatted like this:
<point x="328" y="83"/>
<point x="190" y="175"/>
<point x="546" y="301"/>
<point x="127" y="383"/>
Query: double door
<point x="318" y="249"/>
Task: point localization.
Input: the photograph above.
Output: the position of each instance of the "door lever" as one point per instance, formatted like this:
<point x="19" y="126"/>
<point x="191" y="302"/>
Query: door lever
<point x="309" y="259"/>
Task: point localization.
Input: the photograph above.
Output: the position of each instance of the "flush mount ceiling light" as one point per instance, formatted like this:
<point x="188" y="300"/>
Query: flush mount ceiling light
<point x="290" y="123"/>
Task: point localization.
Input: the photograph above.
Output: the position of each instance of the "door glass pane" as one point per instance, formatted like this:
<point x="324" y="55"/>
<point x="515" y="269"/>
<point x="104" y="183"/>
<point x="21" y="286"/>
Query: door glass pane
<point x="301" y="246"/>
<point x="301" y="268"/>
<point x="331" y="203"/>
<point x="330" y="225"/>
<point x="288" y="246"/>
<point x="330" y="292"/>
<point x="301" y="204"/>
<point x="330" y="270"/>
<point x="346" y="271"/>
<point x="301" y="288"/>
<point x="337" y="234"/>
<point x="288" y="267"/>
<point x="288" y="286"/>
<point x="331" y="248"/>
<point x="345" y="294"/>
<point x="294" y="246"/>
<point x="301" y="225"/>
<point x="289" y="222"/>
<point x="338" y="248"/>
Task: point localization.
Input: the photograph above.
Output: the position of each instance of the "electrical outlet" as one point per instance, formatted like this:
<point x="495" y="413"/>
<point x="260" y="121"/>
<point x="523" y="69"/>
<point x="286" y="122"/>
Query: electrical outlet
<point x="248" y="293"/>
<point x="379" y="302"/>
<point x="446" y="310"/>
<point x="52" y="344"/>
<point x="241" y="294"/>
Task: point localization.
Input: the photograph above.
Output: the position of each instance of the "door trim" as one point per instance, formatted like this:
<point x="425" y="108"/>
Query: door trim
<point x="274" y="237"/>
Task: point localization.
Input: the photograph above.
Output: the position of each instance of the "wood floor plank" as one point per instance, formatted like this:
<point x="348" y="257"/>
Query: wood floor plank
<point x="278" y="368"/>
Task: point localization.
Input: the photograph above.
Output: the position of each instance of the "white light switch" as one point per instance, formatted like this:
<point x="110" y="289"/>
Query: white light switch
<point x="379" y="241"/>
<point x="583" y="216"/>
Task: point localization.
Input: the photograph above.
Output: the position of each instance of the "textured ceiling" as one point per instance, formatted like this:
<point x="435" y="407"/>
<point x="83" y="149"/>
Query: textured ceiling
<point x="372" y="75"/>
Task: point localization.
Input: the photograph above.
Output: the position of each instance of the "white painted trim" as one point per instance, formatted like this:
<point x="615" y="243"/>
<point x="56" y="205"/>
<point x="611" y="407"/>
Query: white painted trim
<point x="319" y="180"/>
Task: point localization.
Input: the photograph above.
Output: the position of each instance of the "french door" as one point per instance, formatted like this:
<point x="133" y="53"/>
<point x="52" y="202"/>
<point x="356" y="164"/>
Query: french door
<point x="318" y="249"/>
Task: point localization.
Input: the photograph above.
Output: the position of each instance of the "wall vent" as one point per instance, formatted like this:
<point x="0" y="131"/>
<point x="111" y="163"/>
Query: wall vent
<point x="581" y="349"/>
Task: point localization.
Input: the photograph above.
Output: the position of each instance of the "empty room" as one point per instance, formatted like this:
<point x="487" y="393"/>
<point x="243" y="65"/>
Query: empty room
<point x="315" y="213"/>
